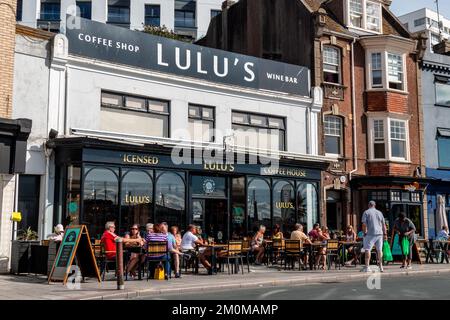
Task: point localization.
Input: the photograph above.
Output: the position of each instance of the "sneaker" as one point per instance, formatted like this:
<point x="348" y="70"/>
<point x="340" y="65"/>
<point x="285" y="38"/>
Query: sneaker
<point x="178" y="275"/>
<point x="408" y="268"/>
<point x="366" y="269"/>
<point x="381" y="268"/>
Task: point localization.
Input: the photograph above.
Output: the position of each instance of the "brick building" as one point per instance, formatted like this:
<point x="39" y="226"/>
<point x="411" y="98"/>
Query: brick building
<point x="13" y="133"/>
<point x="366" y="63"/>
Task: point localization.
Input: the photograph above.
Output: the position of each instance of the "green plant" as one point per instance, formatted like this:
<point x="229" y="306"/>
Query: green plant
<point x="27" y="235"/>
<point x="163" y="31"/>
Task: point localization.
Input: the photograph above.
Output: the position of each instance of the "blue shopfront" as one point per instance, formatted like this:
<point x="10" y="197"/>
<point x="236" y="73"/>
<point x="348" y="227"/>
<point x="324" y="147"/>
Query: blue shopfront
<point x="440" y="186"/>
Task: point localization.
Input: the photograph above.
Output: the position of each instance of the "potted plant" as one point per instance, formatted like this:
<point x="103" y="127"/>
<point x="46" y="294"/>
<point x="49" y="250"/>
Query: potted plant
<point x="21" y="250"/>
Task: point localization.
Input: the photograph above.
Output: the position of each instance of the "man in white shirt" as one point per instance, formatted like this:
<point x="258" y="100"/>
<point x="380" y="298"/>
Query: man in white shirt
<point x="190" y="240"/>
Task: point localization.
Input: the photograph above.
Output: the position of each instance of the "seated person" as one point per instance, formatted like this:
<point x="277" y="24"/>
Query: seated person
<point x="315" y="233"/>
<point x="58" y="235"/>
<point x="350" y="236"/>
<point x="443" y="234"/>
<point x="277" y="234"/>
<point x="134" y="256"/>
<point x="189" y="242"/>
<point x="159" y="235"/>
<point x="298" y="234"/>
<point x="257" y="245"/>
<point x="173" y="249"/>
<point x="108" y="240"/>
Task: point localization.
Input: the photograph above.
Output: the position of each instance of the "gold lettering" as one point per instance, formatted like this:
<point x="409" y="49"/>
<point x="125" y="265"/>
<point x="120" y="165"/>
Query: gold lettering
<point x="135" y="159"/>
<point x="137" y="199"/>
<point x="284" y="205"/>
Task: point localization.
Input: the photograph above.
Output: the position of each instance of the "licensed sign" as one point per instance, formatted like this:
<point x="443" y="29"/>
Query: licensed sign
<point x="138" y="49"/>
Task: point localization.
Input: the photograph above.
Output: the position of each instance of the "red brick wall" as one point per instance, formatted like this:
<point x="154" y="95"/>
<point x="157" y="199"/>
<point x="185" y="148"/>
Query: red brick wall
<point x="387" y="101"/>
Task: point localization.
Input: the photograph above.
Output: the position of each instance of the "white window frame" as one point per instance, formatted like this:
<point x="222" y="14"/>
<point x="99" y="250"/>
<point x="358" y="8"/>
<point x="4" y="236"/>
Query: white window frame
<point x="387" y="139"/>
<point x="338" y="65"/>
<point x="365" y="16"/>
<point x="385" y="75"/>
<point x="341" y="136"/>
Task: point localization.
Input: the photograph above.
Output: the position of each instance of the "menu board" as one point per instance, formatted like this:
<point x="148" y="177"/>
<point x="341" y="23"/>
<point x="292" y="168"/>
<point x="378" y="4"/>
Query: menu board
<point x="75" y="244"/>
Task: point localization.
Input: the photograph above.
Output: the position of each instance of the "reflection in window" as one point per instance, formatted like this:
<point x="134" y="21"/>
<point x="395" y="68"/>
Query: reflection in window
<point x="284" y="205"/>
<point x="73" y="194"/>
<point x="137" y="199"/>
<point x="442" y="91"/>
<point x="101" y="195"/>
<point x="237" y="227"/>
<point x="258" y="204"/>
<point x="443" y="143"/>
<point x="152" y="15"/>
<point x="170" y="198"/>
<point x="307" y="204"/>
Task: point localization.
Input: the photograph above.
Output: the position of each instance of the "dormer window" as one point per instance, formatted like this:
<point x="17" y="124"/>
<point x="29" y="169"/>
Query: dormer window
<point x="364" y="14"/>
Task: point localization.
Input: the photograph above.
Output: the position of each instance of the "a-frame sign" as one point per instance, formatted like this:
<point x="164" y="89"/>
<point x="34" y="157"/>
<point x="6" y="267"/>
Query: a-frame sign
<point x="76" y="243"/>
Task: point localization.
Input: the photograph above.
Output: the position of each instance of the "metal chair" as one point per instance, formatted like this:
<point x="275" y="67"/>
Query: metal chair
<point x="247" y="251"/>
<point x="293" y="250"/>
<point x="157" y="251"/>
<point x="103" y="261"/>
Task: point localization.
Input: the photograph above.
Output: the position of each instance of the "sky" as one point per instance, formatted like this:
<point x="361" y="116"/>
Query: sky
<point x="400" y="7"/>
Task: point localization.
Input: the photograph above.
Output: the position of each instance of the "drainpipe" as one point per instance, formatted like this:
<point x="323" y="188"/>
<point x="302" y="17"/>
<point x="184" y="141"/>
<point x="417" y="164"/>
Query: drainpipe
<point x="355" y="148"/>
<point x="66" y="104"/>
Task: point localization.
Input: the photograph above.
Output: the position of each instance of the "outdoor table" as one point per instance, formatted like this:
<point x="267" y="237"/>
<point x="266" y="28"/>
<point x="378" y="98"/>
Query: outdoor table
<point x="127" y="252"/>
<point x="214" y="248"/>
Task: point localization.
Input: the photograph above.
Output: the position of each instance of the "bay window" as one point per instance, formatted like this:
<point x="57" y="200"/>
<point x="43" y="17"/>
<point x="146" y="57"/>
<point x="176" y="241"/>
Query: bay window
<point x="365" y="14"/>
<point x="333" y="135"/>
<point x="388" y="139"/>
<point x="331" y="65"/>
<point x="386" y="71"/>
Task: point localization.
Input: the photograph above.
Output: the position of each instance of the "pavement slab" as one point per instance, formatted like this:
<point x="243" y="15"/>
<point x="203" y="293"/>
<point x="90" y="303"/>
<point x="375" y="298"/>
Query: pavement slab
<point x="25" y="287"/>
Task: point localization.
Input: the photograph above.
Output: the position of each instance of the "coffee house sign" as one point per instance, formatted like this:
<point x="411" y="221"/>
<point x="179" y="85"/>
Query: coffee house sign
<point x="134" y="48"/>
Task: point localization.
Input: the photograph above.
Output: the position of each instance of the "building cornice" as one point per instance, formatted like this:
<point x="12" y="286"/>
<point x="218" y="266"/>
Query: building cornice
<point x="387" y="42"/>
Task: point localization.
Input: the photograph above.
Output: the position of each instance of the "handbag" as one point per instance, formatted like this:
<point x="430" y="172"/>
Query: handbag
<point x="387" y="254"/>
<point x="405" y="246"/>
<point x="159" y="272"/>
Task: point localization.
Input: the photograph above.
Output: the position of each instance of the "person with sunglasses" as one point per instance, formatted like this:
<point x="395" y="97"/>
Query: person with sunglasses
<point x="134" y="247"/>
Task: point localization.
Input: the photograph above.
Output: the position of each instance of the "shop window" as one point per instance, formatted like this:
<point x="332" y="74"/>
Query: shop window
<point x="395" y="196"/>
<point x="378" y="195"/>
<point x="333" y="135"/>
<point x="28" y="201"/>
<point x="365" y="14"/>
<point x="442" y="87"/>
<point x="100" y="199"/>
<point x="201" y="123"/>
<point x="85" y="8"/>
<point x="170" y="198"/>
<point x="152" y="15"/>
<point x="443" y="144"/>
<point x="307" y="205"/>
<point x="185" y="13"/>
<point x="259" y="131"/>
<point x="258" y="204"/>
<point x="283" y="205"/>
<point x="50" y="10"/>
<point x="238" y="221"/>
<point x="134" y="115"/>
<point x="207" y="186"/>
<point x="73" y="195"/>
<point x="331" y="65"/>
<point x="415" y="197"/>
<point x="137" y="198"/>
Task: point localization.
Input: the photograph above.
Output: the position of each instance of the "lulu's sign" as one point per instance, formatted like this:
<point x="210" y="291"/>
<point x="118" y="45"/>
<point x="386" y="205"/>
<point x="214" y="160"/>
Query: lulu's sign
<point x="281" y="171"/>
<point x="140" y="159"/>
<point x="284" y="205"/>
<point x="101" y="41"/>
<point x="223" y="167"/>
<point x="129" y="199"/>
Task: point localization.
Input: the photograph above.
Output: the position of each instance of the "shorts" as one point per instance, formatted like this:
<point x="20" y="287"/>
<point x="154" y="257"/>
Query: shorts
<point x="374" y="240"/>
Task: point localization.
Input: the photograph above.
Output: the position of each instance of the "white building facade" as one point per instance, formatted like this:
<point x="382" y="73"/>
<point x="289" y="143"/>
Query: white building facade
<point x="185" y="17"/>
<point x="107" y="135"/>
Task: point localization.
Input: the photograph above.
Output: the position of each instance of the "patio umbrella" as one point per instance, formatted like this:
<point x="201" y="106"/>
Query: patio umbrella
<point x="441" y="218"/>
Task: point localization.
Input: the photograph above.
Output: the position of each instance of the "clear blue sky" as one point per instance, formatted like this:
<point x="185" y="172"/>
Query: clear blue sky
<point x="400" y="7"/>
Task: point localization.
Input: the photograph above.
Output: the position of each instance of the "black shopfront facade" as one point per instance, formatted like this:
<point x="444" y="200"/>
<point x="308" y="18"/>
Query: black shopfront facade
<point x="99" y="181"/>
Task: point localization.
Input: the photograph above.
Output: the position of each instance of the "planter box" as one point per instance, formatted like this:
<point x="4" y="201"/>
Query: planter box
<point x="21" y="256"/>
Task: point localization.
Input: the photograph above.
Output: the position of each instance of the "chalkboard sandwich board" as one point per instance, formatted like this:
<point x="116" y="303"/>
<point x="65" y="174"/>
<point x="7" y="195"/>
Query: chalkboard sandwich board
<point x="76" y="244"/>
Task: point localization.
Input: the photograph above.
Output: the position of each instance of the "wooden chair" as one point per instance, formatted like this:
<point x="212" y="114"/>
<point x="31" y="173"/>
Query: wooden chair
<point x="293" y="250"/>
<point x="247" y="251"/>
<point x="157" y="251"/>
<point x="233" y="253"/>
<point x="277" y="251"/>
<point x="332" y="252"/>
<point x="104" y="261"/>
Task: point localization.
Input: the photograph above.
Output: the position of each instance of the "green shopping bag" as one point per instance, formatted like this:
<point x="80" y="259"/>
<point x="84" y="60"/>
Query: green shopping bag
<point x="387" y="254"/>
<point x="405" y="246"/>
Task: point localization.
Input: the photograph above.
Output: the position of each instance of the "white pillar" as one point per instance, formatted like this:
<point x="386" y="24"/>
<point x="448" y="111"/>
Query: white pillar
<point x="100" y="10"/>
<point x="7" y="196"/>
<point x="30" y="13"/>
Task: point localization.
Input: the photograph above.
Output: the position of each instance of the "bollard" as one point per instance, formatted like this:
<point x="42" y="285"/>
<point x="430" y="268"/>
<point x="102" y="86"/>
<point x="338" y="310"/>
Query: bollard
<point x="119" y="264"/>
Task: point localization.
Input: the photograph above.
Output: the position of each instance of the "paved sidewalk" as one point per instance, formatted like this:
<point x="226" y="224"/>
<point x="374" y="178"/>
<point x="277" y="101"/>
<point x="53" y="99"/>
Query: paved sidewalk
<point x="36" y="287"/>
